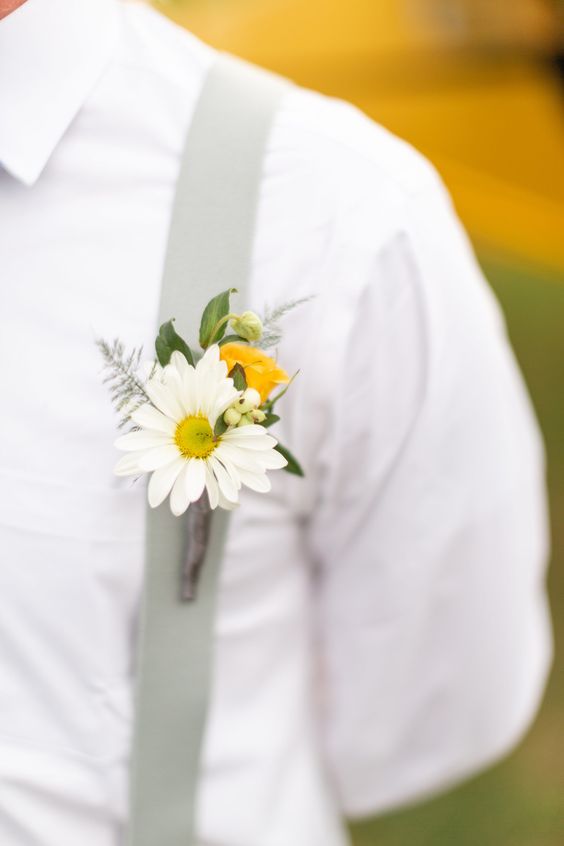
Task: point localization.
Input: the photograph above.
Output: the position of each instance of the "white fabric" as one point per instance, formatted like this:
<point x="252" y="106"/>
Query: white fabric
<point x="382" y="626"/>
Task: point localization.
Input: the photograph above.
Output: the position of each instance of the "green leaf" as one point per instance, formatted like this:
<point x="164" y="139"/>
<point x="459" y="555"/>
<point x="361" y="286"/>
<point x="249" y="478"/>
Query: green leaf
<point x="237" y="373"/>
<point x="293" y="465"/>
<point x="232" y="339"/>
<point x="220" y="426"/>
<point x="168" y="340"/>
<point x="270" y="420"/>
<point x="216" y="309"/>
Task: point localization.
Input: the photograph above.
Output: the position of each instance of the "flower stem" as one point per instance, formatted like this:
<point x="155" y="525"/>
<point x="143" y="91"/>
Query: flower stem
<point x="219" y="324"/>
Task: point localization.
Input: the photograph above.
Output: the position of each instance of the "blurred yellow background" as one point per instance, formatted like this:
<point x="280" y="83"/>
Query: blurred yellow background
<point x="477" y="86"/>
<point x="466" y="81"/>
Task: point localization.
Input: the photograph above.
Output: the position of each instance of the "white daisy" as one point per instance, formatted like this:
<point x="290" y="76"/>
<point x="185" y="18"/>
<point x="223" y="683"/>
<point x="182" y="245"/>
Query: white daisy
<point x="175" y="440"/>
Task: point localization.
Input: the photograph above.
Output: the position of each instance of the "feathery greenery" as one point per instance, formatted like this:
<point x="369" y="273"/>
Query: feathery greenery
<point x="272" y="334"/>
<point x="127" y="391"/>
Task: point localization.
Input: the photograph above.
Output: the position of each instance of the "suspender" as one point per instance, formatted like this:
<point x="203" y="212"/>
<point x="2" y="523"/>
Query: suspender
<point x="209" y="250"/>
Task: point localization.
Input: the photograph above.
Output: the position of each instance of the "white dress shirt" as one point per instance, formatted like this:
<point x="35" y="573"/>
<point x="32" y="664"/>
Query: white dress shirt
<point x="382" y="627"/>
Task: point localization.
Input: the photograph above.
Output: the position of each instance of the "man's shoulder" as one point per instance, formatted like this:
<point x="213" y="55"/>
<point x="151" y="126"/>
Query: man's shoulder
<point x="153" y="44"/>
<point x="322" y="137"/>
<point x="345" y="144"/>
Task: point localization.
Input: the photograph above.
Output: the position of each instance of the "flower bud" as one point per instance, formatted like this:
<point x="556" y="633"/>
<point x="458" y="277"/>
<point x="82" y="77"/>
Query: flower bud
<point x="245" y="420"/>
<point x="249" y="400"/>
<point x="232" y="416"/>
<point x="252" y="396"/>
<point x="257" y="416"/>
<point x="248" y="326"/>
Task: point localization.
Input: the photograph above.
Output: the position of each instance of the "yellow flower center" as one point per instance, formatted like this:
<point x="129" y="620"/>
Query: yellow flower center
<point x="194" y="437"/>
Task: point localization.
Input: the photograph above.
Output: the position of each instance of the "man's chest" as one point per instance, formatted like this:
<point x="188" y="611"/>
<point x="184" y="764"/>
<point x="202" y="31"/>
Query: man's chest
<point x="78" y="265"/>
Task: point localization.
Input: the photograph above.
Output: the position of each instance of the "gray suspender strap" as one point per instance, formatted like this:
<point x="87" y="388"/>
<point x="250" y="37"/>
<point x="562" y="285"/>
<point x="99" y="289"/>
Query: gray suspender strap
<point x="209" y="250"/>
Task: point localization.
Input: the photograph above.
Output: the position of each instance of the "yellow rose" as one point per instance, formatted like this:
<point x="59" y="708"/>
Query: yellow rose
<point x="261" y="371"/>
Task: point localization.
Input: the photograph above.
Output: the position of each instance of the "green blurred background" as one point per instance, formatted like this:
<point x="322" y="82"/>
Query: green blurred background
<point x="477" y="86"/>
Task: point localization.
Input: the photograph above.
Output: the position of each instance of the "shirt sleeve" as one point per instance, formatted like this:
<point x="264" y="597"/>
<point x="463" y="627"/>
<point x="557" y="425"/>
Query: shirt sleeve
<point x="430" y="532"/>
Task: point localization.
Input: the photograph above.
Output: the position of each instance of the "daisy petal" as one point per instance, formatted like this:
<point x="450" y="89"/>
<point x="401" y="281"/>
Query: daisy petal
<point x="211" y="487"/>
<point x="179" y="500"/>
<point x="206" y="390"/>
<point x="270" y="459"/>
<point x="175" y="384"/>
<point x="227" y="485"/>
<point x="163" y="397"/>
<point x="142" y="440"/>
<point x="179" y="361"/>
<point x="128" y="465"/>
<point x="211" y="355"/>
<point x="152" y="459"/>
<point x="250" y="431"/>
<point x="195" y="479"/>
<point x="257" y="442"/>
<point x="223" y="400"/>
<point x="255" y="481"/>
<point x="162" y="481"/>
<point x="226" y="504"/>
<point x="232" y="471"/>
<point x="149" y="417"/>
<point x="243" y="458"/>
<point x="189" y="389"/>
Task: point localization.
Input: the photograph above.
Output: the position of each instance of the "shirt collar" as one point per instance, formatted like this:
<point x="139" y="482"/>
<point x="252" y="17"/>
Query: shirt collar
<point x="52" y="52"/>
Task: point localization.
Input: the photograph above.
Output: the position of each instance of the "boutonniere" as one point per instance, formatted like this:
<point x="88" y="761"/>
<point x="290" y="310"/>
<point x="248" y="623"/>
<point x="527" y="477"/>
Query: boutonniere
<point x="200" y="417"/>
